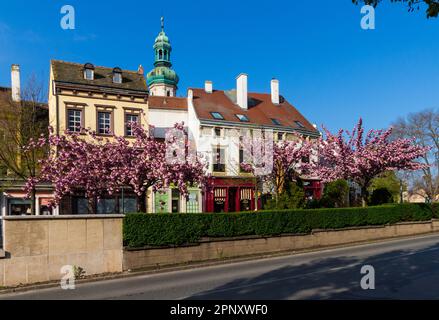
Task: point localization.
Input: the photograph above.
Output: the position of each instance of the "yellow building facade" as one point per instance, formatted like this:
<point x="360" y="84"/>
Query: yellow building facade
<point x="102" y="99"/>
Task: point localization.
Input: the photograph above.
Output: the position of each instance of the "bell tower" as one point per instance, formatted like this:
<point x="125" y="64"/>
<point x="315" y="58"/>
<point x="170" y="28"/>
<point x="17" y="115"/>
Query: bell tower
<point x="162" y="80"/>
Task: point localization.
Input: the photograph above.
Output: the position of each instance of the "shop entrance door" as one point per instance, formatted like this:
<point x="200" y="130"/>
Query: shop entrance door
<point x="232" y="199"/>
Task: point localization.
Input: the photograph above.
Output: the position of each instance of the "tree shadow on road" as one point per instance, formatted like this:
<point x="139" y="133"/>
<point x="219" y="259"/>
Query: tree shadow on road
<point x="400" y="274"/>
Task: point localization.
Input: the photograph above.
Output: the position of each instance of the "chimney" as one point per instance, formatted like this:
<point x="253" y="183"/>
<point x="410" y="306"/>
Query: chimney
<point x="275" y="91"/>
<point x="241" y="91"/>
<point x="208" y="86"/>
<point x="15" y="83"/>
<point x="140" y="70"/>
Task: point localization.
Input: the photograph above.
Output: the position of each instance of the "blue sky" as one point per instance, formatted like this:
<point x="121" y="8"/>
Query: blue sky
<point x="329" y="68"/>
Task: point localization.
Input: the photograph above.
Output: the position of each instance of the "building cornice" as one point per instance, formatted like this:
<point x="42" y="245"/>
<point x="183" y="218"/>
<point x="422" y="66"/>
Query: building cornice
<point x="100" y="89"/>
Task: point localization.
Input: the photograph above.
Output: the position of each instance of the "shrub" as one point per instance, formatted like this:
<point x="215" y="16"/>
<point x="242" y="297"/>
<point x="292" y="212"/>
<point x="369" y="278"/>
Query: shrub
<point x="176" y="229"/>
<point x="435" y="207"/>
<point x="292" y="198"/>
<point x="335" y="194"/>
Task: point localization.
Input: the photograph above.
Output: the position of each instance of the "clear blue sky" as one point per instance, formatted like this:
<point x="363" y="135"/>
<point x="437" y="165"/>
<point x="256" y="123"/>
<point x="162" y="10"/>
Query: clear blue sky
<point x="328" y="67"/>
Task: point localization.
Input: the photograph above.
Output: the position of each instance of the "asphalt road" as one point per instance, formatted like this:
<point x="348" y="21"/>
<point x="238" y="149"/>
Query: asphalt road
<point x="404" y="269"/>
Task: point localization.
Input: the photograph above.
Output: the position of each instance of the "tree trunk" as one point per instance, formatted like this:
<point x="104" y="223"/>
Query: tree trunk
<point x="142" y="203"/>
<point x="364" y="196"/>
<point x="91" y="206"/>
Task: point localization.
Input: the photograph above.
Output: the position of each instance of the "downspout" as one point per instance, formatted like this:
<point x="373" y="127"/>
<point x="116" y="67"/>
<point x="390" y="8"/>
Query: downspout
<point x="57" y="108"/>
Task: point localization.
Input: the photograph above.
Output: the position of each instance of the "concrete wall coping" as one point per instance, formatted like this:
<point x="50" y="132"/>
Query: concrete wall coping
<point x="65" y="217"/>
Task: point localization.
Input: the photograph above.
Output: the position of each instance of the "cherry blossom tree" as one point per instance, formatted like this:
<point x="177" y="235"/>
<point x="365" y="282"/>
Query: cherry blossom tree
<point x="148" y="163"/>
<point x="360" y="157"/>
<point x="290" y="160"/>
<point x="102" y="166"/>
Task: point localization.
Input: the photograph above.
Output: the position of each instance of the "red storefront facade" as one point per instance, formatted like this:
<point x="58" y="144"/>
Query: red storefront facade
<point x="230" y="195"/>
<point x="238" y="194"/>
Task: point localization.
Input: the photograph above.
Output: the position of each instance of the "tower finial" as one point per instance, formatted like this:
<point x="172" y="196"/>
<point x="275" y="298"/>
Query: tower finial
<point x="163" y="23"/>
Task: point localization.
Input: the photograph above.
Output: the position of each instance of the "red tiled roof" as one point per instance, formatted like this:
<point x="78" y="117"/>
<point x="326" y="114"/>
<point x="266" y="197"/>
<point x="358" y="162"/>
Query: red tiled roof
<point x="168" y="103"/>
<point x="260" y="111"/>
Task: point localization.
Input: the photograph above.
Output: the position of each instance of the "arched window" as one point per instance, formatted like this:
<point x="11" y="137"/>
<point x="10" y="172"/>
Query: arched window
<point x="166" y="54"/>
<point x="160" y="54"/>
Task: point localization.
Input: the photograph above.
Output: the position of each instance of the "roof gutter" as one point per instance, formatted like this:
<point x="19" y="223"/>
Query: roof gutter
<point x="313" y="134"/>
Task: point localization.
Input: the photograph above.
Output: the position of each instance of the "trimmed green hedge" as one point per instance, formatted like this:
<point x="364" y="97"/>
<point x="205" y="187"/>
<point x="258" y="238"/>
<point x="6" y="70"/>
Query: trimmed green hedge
<point x="141" y="230"/>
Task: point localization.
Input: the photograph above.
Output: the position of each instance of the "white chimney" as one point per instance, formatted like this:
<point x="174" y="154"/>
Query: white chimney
<point x="275" y="91"/>
<point x="15" y="83"/>
<point x="241" y="91"/>
<point x="208" y="86"/>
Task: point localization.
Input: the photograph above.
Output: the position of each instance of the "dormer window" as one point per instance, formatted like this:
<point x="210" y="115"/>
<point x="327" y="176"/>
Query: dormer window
<point x="217" y="115"/>
<point x="242" y="118"/>
<point x="89" y="71"/>
<point x="299" y="124"/>
<point x="275" y="122"/>
<point x="117" y="75"/>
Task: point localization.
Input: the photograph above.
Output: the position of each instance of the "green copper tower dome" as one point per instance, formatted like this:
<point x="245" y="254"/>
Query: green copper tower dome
<point x="162" y="80"/>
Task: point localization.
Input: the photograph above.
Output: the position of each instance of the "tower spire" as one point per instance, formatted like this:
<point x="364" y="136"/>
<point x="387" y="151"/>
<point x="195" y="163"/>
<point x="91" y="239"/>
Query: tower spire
<point x="162" y="80"/>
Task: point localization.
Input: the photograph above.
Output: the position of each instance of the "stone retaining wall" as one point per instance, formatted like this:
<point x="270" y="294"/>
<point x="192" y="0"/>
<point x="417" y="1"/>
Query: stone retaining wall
<point x="37" y="247"/>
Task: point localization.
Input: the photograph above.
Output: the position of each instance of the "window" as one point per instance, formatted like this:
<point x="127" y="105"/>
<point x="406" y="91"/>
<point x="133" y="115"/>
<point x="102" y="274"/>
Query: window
<point x="168" y="93"/>
<point x="106" y="206"/>
<point x="79" y="205"/>
<point x="161" y="202"/>
<point x="117" y="77"/>
<point x="89" y="71"/>
<point x="18" y="207"/>
<point x="74" y="120"/>
<point x="299" y="124"/>
<point x="247" y="167"/>
<point x="104" y="122"/>
<point x="192" y="202"/>
<point x="242" y="117"/>
<point x="276" y="122"/>
<point x="219" y="156"/>
<point x="129" y="119"/>
<point x="280" y="136"/>
<point x="220" y="195"/>
<point x="217" y="115"/>
<point x="160" y="54"/>
<point x="175" y="201"/>
<point x="246" y="199"/>
<point x="217" y="132"/>
<point x="129" y="205"/>
<point x="89" y="74"/>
